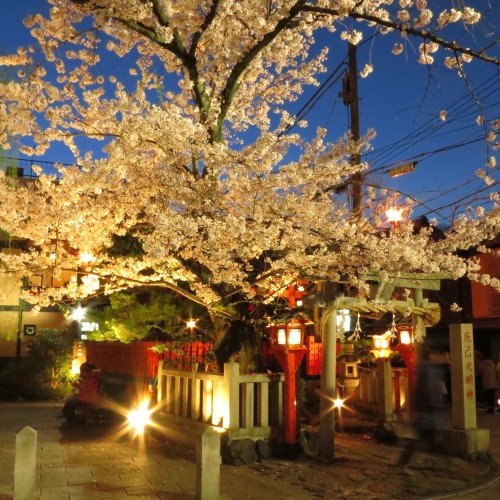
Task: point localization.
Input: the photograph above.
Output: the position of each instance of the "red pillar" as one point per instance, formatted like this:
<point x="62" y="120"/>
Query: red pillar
<point x="290" y="359"/>
<point x="407" y="353"/>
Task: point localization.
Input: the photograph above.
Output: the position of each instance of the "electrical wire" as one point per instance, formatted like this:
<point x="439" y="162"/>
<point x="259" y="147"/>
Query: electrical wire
<point x="457" y="113"/>
<point x="332" y="79"/>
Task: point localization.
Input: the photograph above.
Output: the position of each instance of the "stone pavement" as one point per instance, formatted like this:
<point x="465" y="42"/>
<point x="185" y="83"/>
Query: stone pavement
<point x="97" y="462"/>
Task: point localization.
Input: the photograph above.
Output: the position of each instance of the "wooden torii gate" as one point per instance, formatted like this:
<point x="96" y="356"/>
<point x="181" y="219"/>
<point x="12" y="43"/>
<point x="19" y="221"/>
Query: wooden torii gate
<point x="382" y="290"/>
<point x="464" y="437"/>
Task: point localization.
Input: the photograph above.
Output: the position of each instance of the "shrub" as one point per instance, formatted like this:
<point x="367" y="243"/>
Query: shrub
<point x="44" y="373"/>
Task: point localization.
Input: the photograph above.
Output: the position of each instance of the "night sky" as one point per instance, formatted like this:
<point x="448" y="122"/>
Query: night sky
<point x="401" y="100"/>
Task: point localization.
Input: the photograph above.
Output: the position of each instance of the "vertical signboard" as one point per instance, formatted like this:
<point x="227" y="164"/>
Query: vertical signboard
<point x="463" y="377"/>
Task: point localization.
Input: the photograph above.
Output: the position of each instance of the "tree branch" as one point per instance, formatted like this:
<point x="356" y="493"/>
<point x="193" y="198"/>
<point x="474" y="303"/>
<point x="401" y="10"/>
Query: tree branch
<point x="188" y="61"/>
<point x="232" y="82"/>
<point x="206" y="23"/>
<point x="404" y="28"/>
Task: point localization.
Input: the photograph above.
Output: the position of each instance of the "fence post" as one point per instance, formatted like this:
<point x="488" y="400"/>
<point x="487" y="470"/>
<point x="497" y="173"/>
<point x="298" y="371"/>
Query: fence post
<point x="208" y="466"/>
<point x="25" y="464"/>
<point x="232" y="395"/>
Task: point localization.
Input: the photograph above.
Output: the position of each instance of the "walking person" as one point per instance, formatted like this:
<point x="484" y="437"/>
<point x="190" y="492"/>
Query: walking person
<point x="430" y="401"/>
<point x="487" y="370"/>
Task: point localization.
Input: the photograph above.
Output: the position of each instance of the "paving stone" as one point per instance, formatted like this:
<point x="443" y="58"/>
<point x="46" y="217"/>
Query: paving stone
<point x="53" y="477"/>
<point x="356" y="477"/>
<point x="109" y="488"/>
<point x="119" y="470"/>
<point x="385" y="486"/>
<point x="444" y="484"/>
<point x="106" y="475"/>
<point x="133" y="479"/>
<point x="80" y="480"/>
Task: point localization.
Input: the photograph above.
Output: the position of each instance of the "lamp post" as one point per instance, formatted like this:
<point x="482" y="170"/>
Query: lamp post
<point x="288" y="346"/>
<point x="382" y="351"/>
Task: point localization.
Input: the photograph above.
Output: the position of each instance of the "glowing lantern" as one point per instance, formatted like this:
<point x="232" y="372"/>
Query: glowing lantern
<point x="381" y="346"/>
<point x="287" y="345"/>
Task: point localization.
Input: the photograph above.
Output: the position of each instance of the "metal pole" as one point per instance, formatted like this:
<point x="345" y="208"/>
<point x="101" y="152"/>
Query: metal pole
<point x="79" y="321"/>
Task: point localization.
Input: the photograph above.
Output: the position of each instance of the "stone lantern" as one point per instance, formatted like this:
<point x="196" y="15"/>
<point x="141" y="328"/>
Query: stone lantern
<point x="347" y="363"/>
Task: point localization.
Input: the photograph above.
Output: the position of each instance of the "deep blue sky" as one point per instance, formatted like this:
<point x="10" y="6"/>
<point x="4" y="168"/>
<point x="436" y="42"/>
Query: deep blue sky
<point x="398" y="100"/>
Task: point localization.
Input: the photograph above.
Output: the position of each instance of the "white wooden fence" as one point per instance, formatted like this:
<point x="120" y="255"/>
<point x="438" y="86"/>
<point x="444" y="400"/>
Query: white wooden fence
<point x="366" y="392"/>
<point x="249" y="405"/>
<point x="242" y="405"/>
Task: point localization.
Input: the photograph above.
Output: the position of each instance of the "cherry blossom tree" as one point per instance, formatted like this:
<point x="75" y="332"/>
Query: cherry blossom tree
<point x="176" y="113"/>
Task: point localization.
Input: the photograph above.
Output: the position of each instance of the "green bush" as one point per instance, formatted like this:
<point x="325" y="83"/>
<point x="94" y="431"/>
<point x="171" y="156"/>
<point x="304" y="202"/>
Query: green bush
<point x="44" y="373"/>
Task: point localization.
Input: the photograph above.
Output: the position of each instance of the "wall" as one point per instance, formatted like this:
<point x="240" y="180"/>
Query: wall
<point x="9" y="316"/>
<point x="485" y="299"/>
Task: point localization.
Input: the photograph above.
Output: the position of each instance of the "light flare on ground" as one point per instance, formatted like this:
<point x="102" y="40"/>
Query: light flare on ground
<point x="139" y="417"/>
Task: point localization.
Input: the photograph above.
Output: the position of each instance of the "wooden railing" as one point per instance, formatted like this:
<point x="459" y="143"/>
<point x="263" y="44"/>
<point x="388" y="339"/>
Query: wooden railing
<point x="243" y="405"/>
<point x="366" y="392"/>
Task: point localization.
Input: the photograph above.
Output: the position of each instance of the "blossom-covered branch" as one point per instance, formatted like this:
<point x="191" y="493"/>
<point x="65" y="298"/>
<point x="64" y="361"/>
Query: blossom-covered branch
<point x="174" y="114"/>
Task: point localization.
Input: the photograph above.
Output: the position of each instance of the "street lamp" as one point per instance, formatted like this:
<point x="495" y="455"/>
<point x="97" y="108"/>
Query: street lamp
<point x="87" y="258"/>
<point x="77" y="315"/>
<point x="288" y="346"/>
<point x="394" y="215"/>
<point x="402" y="169"/>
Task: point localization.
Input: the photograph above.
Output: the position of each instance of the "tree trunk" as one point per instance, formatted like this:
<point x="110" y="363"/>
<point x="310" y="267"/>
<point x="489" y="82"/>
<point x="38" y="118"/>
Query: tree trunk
<point x="238" y="340"/>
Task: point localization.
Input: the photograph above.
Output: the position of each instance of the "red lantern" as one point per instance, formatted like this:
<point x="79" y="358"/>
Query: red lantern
<point x="288" y="346"/>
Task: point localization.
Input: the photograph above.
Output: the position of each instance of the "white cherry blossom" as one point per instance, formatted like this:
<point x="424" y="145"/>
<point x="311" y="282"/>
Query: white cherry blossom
<point x="186" y="158"/>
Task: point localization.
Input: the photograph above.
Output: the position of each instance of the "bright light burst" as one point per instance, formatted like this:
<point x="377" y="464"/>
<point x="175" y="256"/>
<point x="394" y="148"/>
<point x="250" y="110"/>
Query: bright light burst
<point x="139" y="417"/>
<point x="78" y="314"/>
<point x="338" y="403"/>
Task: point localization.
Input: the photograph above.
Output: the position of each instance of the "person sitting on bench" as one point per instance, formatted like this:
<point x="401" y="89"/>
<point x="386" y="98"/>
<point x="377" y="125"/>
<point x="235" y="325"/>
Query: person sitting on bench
<point x="88" y="388"/>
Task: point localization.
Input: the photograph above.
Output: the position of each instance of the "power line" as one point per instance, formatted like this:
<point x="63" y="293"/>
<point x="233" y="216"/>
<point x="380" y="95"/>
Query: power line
<point x="317" y="95"/>
<point x="430" y="129"/>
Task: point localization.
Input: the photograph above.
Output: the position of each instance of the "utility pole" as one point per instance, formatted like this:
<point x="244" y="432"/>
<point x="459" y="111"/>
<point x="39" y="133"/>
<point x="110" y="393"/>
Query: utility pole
<point x="351" y="99"/>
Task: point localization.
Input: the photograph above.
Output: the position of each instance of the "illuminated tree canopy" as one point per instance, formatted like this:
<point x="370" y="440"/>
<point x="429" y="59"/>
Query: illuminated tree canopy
<point x="183" y="177"/>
